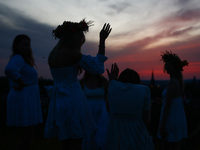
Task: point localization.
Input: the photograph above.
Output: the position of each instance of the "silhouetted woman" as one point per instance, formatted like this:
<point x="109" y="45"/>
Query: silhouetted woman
<point x="68" y="116"/>
<point x="23" y="101"/>
<point x="95" y="87"/>
<point x="173" y="125"/>
<point x="129" y="110"/>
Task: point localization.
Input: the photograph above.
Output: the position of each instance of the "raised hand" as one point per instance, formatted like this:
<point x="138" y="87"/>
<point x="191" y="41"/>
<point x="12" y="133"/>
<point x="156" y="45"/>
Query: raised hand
<point x="113" y="74"/>
<point x="105" y="31"/>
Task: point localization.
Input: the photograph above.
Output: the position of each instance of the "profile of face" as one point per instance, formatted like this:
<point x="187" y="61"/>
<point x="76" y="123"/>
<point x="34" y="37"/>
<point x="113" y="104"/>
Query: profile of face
<point x="169" y="67"/>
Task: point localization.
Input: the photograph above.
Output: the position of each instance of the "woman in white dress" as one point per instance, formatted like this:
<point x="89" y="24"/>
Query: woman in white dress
<point x="173" y="124"/>
<point x="68" y="116"/>
<point x="95" y="87"/>
<point x="129" y="108"/>
<point x="23" y="101"/>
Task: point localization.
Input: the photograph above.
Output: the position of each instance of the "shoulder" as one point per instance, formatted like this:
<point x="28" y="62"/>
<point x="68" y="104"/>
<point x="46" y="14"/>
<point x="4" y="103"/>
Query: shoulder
<point x="142" y="87"/>
<point x="17" y="60"/>
<point x="115" y="83"/>
<point x="17" y="57"/>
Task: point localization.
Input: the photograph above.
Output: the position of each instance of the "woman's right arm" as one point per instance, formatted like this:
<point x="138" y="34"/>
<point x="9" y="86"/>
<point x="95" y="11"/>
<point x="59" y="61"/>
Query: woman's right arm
<point x="95" y="65"/>
<point x="13" y="68"/>
<point x="104" y="33"/>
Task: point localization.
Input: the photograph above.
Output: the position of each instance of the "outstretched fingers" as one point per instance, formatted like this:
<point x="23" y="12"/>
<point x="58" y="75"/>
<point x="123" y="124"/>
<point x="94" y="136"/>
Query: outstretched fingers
<point x="114" y="72"/>
<point x="107" y="28"/>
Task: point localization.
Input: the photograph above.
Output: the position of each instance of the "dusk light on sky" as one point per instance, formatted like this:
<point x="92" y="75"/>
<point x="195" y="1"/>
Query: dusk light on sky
<point x="141" y="30"/>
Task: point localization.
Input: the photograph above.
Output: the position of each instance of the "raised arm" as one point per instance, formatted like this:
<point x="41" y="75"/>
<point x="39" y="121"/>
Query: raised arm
<point x="104" y="33"/>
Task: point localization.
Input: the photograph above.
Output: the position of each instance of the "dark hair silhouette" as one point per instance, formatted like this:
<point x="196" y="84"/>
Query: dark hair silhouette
<point x="71" y="34"/>
<point x="28" y="58"/>
<point x="175" y="60"/>
<point x="129" y="76"/>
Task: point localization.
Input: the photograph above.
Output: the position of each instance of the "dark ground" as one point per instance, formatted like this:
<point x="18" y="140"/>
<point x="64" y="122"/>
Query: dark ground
<point x="8" y="136"/>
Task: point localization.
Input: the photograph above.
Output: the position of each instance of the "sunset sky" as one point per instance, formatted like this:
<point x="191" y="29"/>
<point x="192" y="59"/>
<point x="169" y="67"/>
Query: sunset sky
<point x="141" y="30"/>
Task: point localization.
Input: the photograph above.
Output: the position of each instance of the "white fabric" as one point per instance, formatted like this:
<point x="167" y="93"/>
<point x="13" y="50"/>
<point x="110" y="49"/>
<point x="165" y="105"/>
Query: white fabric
<point x="97" y="107"/>
<point x="176" y="124"/>
<point x="127" y="130"/>
<point x="23" y="106"/>
<point x="68" y="115"/>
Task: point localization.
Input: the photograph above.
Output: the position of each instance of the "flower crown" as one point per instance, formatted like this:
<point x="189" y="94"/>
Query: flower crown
<point x="177" y="62"/>
<point x="70" y="27"/>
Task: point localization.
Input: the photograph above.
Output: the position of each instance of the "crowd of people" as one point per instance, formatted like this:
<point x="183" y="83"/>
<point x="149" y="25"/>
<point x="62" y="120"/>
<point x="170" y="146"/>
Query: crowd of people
<point x="92" y="113"/>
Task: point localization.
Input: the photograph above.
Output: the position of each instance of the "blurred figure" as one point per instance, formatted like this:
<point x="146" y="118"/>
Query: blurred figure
<point x="94" y="87"/>
<point x="129" y="108"/>
<point x="23" y="101"/>
<point x="173" y="125"/>
<point x="68" y="115"/>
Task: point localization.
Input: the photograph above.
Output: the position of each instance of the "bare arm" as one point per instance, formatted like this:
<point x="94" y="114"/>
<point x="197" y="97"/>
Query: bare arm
<point x="103" y="35"/>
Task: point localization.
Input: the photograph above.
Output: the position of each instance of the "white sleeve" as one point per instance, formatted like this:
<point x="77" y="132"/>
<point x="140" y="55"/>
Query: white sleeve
<point x="14" y="66"/>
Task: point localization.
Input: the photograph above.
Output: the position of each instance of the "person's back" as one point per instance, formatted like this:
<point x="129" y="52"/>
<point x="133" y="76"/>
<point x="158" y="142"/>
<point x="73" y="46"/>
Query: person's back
<point x="129" y="99"/>
<point x="128" y="103"/>
<point x="63" y="57"/>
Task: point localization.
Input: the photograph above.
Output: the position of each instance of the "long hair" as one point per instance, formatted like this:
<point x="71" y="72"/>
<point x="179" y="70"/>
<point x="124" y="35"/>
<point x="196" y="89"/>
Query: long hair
<point x="28" y="58"/>
<point x="129" y="76"/>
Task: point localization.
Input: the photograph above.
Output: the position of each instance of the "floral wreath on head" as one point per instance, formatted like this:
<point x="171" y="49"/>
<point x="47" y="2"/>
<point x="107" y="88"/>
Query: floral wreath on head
<point x="177" y="62"/>
<point x="70" y="27"/>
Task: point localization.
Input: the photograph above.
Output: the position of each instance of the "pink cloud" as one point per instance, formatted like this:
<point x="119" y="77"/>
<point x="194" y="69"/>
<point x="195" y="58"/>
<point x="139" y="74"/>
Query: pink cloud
<point x="144" y="61"/>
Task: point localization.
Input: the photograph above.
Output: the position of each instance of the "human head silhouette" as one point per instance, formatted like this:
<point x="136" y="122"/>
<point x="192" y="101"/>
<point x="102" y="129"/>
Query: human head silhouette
<point x="22" y="46"/>
<point x="71" y="34"/>
<point x="129" y="76"/>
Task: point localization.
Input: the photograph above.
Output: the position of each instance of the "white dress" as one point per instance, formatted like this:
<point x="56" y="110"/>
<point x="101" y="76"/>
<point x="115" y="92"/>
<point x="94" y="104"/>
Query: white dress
<point x="126" y="130"/>
<point x="23" y="106"/>
<point x="176" y="124"/>
<point x="68" y="115"/>
<point x="97" y="107"/>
